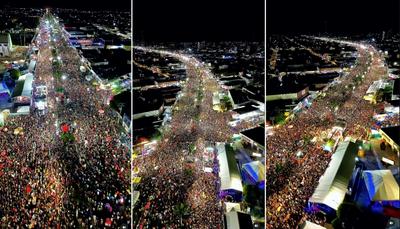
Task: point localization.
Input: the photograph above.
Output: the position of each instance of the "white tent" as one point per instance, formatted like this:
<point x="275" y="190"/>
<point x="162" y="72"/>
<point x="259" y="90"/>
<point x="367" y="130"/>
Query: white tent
<point x="135" y="197"/>
<point x="27" y="90"/>
<point x="32" y="65"/>
<point x="228" y="170"/>
<point x="216" y="98"/>
<point x="229" y="206"/>
<point x="381" y="185"/>
<point x="23" y="110"/>
<point x="311" y="225"/>
<point x="238" y="220"/>
<point x="332" y="186"/>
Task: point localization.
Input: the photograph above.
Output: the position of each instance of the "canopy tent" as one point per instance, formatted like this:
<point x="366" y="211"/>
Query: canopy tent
<point x="311" y="225"/>
<point x="228" y="170"/>
<point x="27" y="90"/>
<point x="4" y="89"/>
<point x="255" y="170"/>
<point x="215" y="98"/>
<point x="237" y="220"/>
<point x="23" y="110"/>
<point x="332" y="186"/>
<point x="381" y="185"/>
<point x="2" y="119"/>
<point x="232" y="206"/>
<point x="135" y="197"/>
<point x="32" y="65"/>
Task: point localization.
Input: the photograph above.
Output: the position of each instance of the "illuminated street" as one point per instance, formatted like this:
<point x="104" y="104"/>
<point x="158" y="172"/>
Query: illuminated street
<point x="63" y="165"/>
<point x="291" y="177"/>
<point x="174" y="164"/>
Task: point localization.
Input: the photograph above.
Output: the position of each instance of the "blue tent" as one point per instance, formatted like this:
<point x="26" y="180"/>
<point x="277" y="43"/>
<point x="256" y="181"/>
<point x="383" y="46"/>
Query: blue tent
<point x="381" y="185"/>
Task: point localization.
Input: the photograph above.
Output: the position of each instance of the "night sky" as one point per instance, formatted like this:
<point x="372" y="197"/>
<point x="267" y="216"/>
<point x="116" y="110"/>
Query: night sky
<point x="75" y="4"/>
<point x="347" y="16"/>
<point x="210" y="20"/>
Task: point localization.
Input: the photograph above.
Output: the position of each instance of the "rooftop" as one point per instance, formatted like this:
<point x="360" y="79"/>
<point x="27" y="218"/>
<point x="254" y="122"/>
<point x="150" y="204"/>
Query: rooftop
<point x="256" y="134"/>
<point x="393" y="132"/>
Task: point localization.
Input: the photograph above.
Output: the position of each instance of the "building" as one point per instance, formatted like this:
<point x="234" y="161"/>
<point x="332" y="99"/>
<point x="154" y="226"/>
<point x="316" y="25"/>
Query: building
<point x="247" y="112"/>
<point x="392" y="137"/>
<point x="374" y="88"/>
<point x="255" y="136"/>
<point x="147" y="107"/>
<point x="238" y="98"/>
<point x="6" y="45"/>
<point x="285" y="90"/>
<point x="396" y="90"/>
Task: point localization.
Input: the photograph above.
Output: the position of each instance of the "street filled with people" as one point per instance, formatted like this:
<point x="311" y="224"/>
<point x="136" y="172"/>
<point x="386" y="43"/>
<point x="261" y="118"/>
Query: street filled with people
<point x="175" y="190"/>
<point x="296" y="158"/>
<point x="65" y="167"/>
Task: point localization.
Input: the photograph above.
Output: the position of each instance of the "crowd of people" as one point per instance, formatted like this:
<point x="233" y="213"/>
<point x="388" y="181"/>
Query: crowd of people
<point x="392" y="120"/>
<point x="175" y="190"/>
<point x="49" y="183"/>
<point x="296" y="159"/>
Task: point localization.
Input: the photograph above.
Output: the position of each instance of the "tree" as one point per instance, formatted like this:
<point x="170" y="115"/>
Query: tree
<point x="250" y="194"/>
<point x="257" y="211"/>
<point x="336" y="223"/>
<point x="348" y="216"/>
<point x="67" y="137"/>
<point x="60" y="89"/>
<point x="188" y="172"/>
<point x="15" y="74"/>
<point x="192" y="148"/>
<point x="280" y="118"/>
<point x="388" y="89"/>
<point x="181" y="210"/>
<point x="227" y="102"/>
<point x="57" y="74"/>
<point x="278" y="168"/>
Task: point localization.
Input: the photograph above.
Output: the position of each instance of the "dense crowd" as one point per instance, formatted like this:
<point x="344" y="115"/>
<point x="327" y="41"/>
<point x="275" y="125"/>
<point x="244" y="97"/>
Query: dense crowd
<point x="46" y="182"/>
<point x="392" y="120"/>
<point x="291" y="178"/>
<point x="175" y="191"/>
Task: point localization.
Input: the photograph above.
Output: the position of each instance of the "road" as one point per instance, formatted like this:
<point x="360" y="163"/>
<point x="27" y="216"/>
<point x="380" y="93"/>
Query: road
<point x="55" y="182"/>
<point x="194" y="124"/>
<point x="291" y="181"/>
